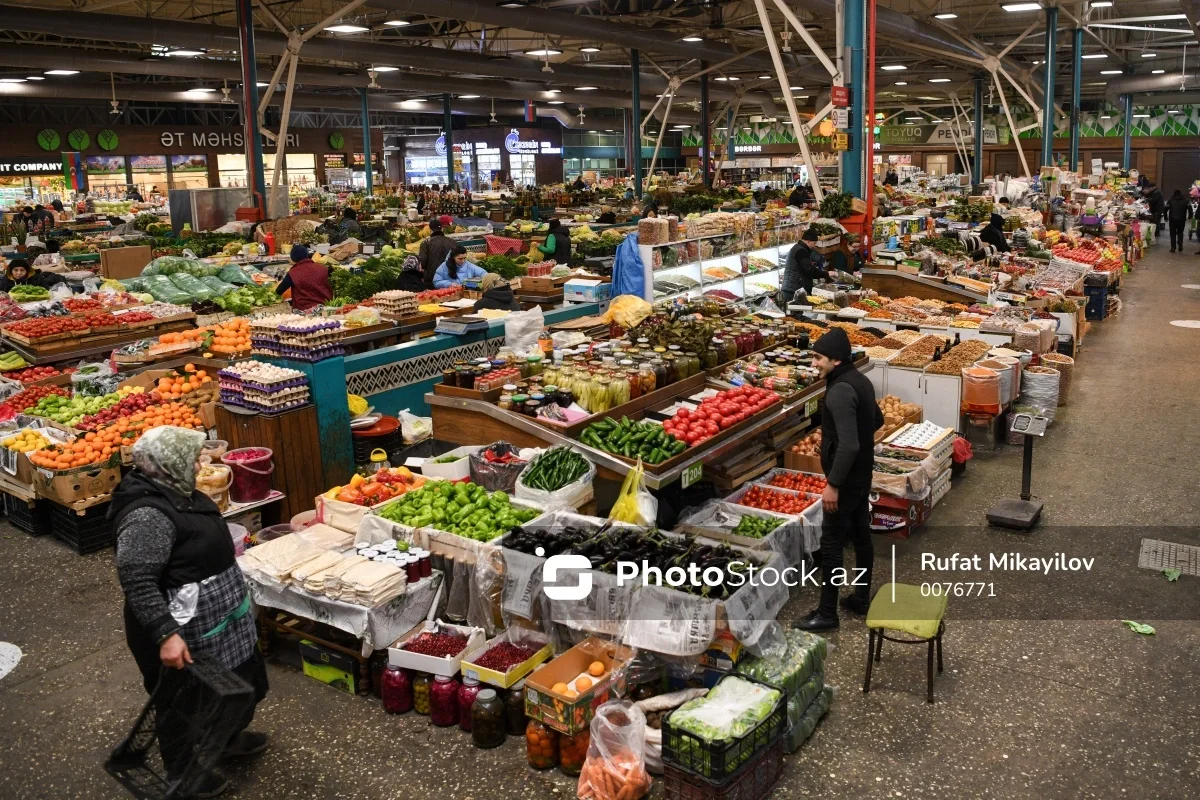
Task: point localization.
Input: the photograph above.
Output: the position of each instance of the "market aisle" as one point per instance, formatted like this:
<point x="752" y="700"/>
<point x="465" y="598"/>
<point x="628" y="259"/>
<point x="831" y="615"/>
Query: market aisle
<point x="1025" y="709"/>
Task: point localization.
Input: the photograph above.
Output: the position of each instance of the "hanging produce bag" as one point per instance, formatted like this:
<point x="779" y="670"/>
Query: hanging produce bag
<point x="634" y="504"/>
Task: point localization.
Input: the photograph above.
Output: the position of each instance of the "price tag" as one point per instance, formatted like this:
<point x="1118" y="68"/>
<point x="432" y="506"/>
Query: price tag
<point x="692" y="474"/>
<point x="811" y="405"/>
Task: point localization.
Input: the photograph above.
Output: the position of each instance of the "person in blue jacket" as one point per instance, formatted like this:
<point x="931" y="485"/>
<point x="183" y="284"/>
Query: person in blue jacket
<point x="456" y="269"/>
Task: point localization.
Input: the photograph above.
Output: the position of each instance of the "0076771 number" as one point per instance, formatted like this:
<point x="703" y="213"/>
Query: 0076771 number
<point x="958" y="589"/>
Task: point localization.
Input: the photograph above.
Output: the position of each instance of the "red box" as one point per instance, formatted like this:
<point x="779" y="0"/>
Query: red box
<point x="899" y="517"/>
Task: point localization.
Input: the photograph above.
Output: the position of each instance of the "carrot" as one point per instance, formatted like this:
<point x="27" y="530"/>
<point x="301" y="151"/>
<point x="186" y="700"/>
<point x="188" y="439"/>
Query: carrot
<point x="627" y="793"/>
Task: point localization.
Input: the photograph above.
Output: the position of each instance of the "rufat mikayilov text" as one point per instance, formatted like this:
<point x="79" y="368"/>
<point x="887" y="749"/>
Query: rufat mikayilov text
<point x="1005" y="562"/>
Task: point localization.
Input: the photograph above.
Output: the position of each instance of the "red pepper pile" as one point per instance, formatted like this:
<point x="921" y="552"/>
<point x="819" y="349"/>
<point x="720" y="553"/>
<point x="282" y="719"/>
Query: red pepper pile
<point x="438" y="645"/>
<point x="492" y="457"/>
<point x="505" y="656"/>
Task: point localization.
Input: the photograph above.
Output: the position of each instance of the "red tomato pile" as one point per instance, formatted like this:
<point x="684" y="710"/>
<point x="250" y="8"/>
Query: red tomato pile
<point x="130" y="317"/>
<point x="813" y="484"/>
<point x="722" y="410"/>
<point x="31" y="374"/>
<point x="79" y="304"/>
<point x="102" y="320"/>
<point x="46" y="326"/>
<point x="26" y="398"/>
<point x="771" y="500"/>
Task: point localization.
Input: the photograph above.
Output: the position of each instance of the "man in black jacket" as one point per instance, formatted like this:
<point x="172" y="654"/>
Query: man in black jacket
<point x="802" y="269"/>
<point x="1178" y="211"/>
<point x="1155" y="203"/>
<point x="849" y="420"/>
<point x="993" y="234"/>
<point x="433" y="251"/>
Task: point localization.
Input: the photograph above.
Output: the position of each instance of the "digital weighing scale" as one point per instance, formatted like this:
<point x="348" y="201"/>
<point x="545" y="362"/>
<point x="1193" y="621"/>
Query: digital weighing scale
<point x="1021" y="514"/>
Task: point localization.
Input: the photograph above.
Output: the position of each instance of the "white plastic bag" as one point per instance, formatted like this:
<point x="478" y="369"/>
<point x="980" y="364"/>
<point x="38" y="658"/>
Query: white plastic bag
<point x="522" y="328"/>
<point x="616" y="754"/>
<point x="569" y="497"/>
<point x="413" y="428"/>
<point x="635" y="504"/>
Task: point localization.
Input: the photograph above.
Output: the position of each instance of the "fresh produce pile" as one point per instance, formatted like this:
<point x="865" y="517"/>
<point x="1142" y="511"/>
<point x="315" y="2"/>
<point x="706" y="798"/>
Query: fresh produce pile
<point x="378" y="488"/>
<point x="41" y="327"/>
<point x="13" y="360"/>
<point x="730" y="711"/>
<point x="723" y="410"/>
<point x="799" y="482"/>
<point x="550" y="541"/>
<point x="437" y="645"/>
<point x="554" y="469"/>
<point x="246" y="298"/>
<point x="231" y="337"/>
<point x="68" y="411"/>
<point x="645" y="440"/>
<point x="804" y="654"/>
<point x="174" y="385"/>
<point x="771" y="500"/>
<point x="127" y="406"/>
<point x="26" y="441"/>
<point x="462" y="508"/>
<point x="618" y="773"/>
<point x="895" y="408"/>
<point x="134" y="317"/>
<point x="103" y="319"/>
<point x="126" y="430"/>
<point x="28" y="293"/>
<point x="374" y="276"/>
<point x="756" y="527"/>
<point x="436" y="295"/>
<point x="503" y="266"/>
<point x="503" y="656"/>
<point x="71" y="456"/>
<point x="26" y="399"/>
<point x="80" y="304"/>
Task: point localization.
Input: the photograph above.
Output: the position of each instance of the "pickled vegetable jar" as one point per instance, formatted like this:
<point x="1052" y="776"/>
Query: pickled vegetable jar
<point x="466" y="696"/>
<point x="541" y="745"/>
<point x="397" y="691"/>
<point x="487" y="720"/>
<point x="421" y="688"/>
<point x="648" y="378"/>
<point x="514" y="709"/>
<point x="618" y="390"/>
<point x="535" y="365"/>
<point x="572" y="751"/>
<point x="443" y="702"/>
<point x="602" y="397"/>
<point x="661" y="375"/>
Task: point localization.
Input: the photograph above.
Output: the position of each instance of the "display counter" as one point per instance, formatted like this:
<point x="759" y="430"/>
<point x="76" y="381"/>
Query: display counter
<point x="893" y="283"/>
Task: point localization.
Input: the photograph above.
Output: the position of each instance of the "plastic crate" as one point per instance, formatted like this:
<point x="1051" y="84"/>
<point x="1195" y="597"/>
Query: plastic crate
<point x="1097" y="302"/>
<point x="200" y="706"/>
<point x="752" y="781"/>
<point x="86" y="531"/>
<point x="32" y="519"/>
<point x="717" y="762"/>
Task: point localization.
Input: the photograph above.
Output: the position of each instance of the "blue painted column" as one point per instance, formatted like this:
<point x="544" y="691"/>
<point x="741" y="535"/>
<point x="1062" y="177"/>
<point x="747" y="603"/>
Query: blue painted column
<point x="1048" y="87"/>
<point x="1076" y="91"/>
<point x="977" y="156"/>
<point x="366" y="123"/>
<point x="448" y="130"/>
<point x="255" y="178"/>
<point x="634" y="157"/>
<point x="855" y="32"/>
<point x="1127" y="99"/>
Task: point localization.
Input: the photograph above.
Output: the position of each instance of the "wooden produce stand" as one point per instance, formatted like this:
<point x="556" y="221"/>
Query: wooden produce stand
<point x="91" y="344"/>
<point x="893" y="283"/>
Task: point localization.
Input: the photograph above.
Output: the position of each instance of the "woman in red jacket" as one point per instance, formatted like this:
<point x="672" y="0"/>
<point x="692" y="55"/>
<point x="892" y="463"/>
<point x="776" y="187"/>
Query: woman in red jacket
<point x="308" y="280"/>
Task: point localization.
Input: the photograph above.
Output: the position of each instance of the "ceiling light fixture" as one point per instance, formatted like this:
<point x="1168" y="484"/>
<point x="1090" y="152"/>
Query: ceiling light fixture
<point x="347" y="28"/>
<point x="585" y="88"/>
<point x="1149" y="55"/>
<point x="1095" y="55"/>
<point x="1157" y="71"/>
<point x="544" y="51"/>
<point x="185" y="53"/>
<point x="61" y="72"/>
<point x="1021" y="6"/>
<point x="902" y="83"/>
<point x="1172" y="111"/>
<point x="1110" y="72"/>
<point x="554" y="102"/>
<point x="468" y="97"/>
<point x="386" y="69"/>
<point x="722" y="79"/>
<point x="201" y="90"/>
<point x="1102" y="4"/>
<point x="1141" y="116"/>
<point x="939" y="80"/>
<point x="34" y="78"/>
<point x="945" y="16"/>
<point x="1106" y="116"/>
<point x="734" y="78"/>
<point x="692" y="39"/>
<point x="12" y="80"/>
<point x="396" y="23"/>
<point x="765" y="77"/>
<point x="589" y="49"/>
<point x="893" y="67"/>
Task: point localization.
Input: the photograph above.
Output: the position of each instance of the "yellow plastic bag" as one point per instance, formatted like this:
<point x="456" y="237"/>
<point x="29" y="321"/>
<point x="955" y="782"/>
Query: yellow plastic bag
<point x="635" y="504"/>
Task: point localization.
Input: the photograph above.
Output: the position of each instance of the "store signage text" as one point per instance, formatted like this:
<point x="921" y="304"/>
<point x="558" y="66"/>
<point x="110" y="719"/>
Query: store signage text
<point x="214" y="139"/>
<point x="30" y="167"/>
<point x="515" y="145"/>
<point x="747" y="148"/>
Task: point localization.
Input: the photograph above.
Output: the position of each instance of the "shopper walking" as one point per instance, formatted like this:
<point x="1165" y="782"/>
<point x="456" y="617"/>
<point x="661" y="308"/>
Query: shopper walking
<point x="1178" y="213"/>
<point x="1194" y="215"/>
<point x="433" y="251"/>
<point x="1155" y="204"/>
<point x="558" y="244"/>
<point x="849" y="420"/>
<point x="184" y="592"/>
<point x="307" y="280"/>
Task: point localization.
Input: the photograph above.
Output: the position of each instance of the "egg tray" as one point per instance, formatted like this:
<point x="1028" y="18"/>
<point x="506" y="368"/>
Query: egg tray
<point x="277" y="398"/>
<point x="397" y="308"/>
<point x="301" y="354"/>
<point x="316" y="340"/>
<point x="276" y="407"/>
<point x="276" y="386"/>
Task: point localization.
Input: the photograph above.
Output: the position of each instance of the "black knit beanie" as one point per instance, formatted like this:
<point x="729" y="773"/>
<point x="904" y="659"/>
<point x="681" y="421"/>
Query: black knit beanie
<point x="834" y="344"/>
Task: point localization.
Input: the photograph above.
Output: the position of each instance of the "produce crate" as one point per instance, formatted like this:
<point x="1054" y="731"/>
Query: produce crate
<point x="85" y="529"/>
<point x="691" y="755"/>
<point x="1097" y="302"/>
<point x="29" y="516"/>
<point x="751" y="782"/>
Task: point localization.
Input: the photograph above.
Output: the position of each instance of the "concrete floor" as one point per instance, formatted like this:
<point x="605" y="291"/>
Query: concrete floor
<point x="1069" y="705"/>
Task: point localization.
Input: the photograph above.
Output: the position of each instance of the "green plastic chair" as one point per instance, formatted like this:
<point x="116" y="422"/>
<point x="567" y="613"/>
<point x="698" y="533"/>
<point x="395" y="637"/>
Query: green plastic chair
<point x="919" y="618"/>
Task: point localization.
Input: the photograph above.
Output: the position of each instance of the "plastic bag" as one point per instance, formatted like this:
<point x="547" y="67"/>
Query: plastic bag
<point x="133" y="284"/>
<point x="363" y="317"/>
<point x="162" y="289"/>
<point x="634" y="504"/>
<point x="495" y="475"/>
<point x="193" y="286"/>
<point x="803" y="656"/>
<point x="656" y="709"/>
<point x="522" y="328"/>
<point x="1039" y="389"/>
<point x="629" y="273"/>
<point x="234" y="275"/>
<point x="615" y="766"/>
<point x="93" y="380"/>
<point x="570" y="496"/>
<point x="218" y="286"/>
<point x="414" y="429"/>
<point x="61" y="291"/>
<point x="803" y="728"/>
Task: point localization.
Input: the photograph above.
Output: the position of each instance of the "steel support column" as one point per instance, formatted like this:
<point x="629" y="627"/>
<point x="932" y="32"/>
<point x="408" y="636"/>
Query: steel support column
<point x="1076" y="91"/>
<point x="1128" y="137"/>
<point x="730" y="150"/>
<point x="448" y="131"/>
<point x="634" y="158"/>
<point x="855" y="41"/>
<point x="255" y="179"/>
<point x="977" y="156"/>
<point x="366" y="126"/>
<point x="705" y="132"/>
<point x="1048" y="70"/>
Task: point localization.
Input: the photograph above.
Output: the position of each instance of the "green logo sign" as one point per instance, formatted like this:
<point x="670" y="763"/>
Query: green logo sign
<point x="48" y="139"/>
<point x="107" y="140"/>
<point x="78" y="139"/>
<point x="336" y="140"/>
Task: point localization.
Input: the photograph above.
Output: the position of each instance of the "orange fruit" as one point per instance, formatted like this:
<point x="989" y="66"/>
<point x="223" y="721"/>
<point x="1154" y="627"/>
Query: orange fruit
<point x="583" y="684"/>
<point x="596" y="669"/>
<point x="559" y="688"/>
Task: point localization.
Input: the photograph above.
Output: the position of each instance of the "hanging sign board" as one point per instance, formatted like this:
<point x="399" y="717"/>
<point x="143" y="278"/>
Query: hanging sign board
<point x="841" y="118"/>
<point x="839" y="96"/>
<point x="841" y="141"/>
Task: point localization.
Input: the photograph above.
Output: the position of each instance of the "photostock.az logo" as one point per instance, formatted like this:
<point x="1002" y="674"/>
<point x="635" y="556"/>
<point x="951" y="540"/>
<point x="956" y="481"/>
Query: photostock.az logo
<point x="566" y="562"/>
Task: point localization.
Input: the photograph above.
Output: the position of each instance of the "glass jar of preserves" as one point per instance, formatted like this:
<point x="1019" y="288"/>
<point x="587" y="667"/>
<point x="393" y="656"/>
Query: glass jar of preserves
<point x="514" y="709"/>
<point x="518" y="402"/>
<point x="449" y="377"/>
<point x="565" y="397"/>
<point x="466" y="696"/>
<point x="693" y="362"/>
<point x="672" y="364"/>
<point x="660" y="372"/>
<point x="572" y="751"/>
<point x="647" y="377"/>
<point x="550" y="374"/>
<point x="523" y="366"/>
<point x="422" y="688"/>
<point x="708" y="359"/>
<point x="634" y="382"/>
<point x="541" y="745"/>
<point x="505" y="402"/>
<point x="396" y="691"/>
<point x="443" y="702"/>
<point x="601" y="393"/>
<point x="531" y="408"/>
<point x="618" y="390"/>
<point x="487" y="720"/>
<point x="536" y="367"/>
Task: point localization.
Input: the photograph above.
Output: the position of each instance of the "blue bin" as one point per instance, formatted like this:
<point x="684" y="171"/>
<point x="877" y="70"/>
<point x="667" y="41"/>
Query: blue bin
<point x="1097" y="302"/>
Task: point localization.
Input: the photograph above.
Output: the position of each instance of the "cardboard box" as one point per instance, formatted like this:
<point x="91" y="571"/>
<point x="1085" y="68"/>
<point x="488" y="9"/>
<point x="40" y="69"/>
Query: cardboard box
<point x="723" y="653"/>
<point x="124" y="262"/>
<point x="802" y="463"/>
<point x="72" y="485"/>
<point x="399" y="657"/>
<point x="329" y="666"/>
<point x="899" y="517"/>
<point x="586" y="291"/>
<point x="17" y="468"/>
<point x="572" y="716"/>
<point x="502" y="679"/>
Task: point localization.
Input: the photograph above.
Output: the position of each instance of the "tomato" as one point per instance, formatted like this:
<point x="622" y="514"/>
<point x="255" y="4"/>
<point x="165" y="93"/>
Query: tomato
<point x="683" y="413"/>
<point x="728" y="422"/>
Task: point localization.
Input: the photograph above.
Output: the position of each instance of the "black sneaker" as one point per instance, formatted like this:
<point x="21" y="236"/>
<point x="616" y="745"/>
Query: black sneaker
<point x="856" y="605"/>
<point x="816" y="621"/>
<point x="245" y="743"/>
<point x="210" y="784"/>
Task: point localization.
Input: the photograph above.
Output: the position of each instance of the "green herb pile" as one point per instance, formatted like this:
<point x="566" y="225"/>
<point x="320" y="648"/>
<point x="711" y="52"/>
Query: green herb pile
<point x="836" y="205"/>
